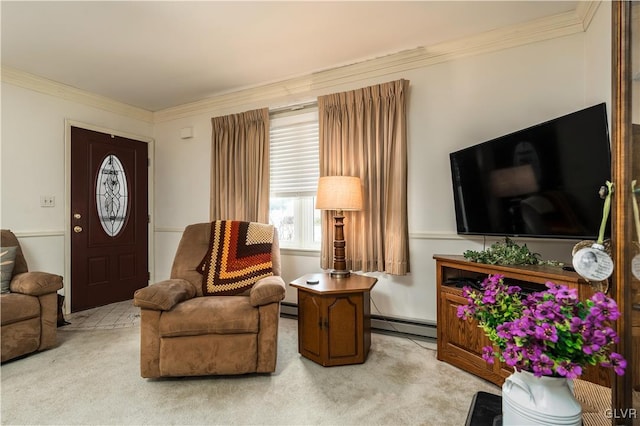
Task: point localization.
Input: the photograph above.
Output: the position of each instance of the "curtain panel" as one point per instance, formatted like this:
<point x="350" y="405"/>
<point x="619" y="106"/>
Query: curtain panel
<point x="363" y="133"/>
<point x="240" y="167"/>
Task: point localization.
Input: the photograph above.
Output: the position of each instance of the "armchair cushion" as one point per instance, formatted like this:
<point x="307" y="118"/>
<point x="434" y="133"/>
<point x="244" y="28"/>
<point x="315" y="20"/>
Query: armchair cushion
<point x="16" y="307"/>
<point x="267" y="290"/>
<point x="7" y="261"/>
<point x="163" y="296"/>
<point x="211" y="315"/>
<point x="36" y="283"/>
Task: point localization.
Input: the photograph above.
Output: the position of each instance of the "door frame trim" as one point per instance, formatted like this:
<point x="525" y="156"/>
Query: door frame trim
<point x="68" y="123"/>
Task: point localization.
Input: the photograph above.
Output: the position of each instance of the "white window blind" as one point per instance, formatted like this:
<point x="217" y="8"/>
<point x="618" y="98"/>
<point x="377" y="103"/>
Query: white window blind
<point x="294" y="177"/>
<point x="294" y="154"/>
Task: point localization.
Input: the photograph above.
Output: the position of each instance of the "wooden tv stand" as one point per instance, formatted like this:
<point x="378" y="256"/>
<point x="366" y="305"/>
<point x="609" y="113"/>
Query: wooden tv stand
<point x="460" y="342"/>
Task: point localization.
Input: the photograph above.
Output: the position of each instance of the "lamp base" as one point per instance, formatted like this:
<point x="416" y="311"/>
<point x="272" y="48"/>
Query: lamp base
<point x="339" y="273"/>
<point x="339" y="264"/>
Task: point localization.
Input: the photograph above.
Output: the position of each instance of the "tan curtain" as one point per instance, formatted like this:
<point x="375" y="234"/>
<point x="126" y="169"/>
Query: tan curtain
<point x="240" y="167"/>
<point x="363" y="133"/>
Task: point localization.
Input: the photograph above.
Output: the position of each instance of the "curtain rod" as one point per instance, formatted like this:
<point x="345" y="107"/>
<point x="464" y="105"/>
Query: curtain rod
<point x="293" y="107"/>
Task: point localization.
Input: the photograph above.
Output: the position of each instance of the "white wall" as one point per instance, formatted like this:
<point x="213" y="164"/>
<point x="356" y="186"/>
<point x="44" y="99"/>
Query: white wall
<point x="33" y="164"/>
<point x="452" y="105"/>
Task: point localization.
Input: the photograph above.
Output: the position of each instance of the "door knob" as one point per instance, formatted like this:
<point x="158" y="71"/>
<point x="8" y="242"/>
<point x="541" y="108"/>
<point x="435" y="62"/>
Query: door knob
<point x="77" y="229"/>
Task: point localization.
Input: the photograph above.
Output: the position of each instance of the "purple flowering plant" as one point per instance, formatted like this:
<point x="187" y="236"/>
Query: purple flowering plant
<point x="548" y="333"/>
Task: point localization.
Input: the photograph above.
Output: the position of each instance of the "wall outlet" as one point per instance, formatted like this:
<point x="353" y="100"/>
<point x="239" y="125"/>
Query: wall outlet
<point x="47" y="201"/>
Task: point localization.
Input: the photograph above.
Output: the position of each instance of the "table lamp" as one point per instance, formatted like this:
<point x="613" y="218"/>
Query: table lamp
<point x="339" y="193"/>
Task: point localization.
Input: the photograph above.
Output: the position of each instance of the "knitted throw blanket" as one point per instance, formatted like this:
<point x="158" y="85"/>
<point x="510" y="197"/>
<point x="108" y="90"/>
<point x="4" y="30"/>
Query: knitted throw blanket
<point x="239" y="255"/>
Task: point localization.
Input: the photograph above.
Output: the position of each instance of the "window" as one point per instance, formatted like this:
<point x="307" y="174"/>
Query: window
<point x="294" y="174"/>
<point x="111" y="195"/>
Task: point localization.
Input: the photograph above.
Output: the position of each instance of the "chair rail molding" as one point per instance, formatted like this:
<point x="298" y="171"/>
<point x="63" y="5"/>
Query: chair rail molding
<point x="39" y="234"/>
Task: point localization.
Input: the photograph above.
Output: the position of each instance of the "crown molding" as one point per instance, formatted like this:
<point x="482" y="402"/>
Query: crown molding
<point x="63" y="91"/>
<point x="538" y="30"/>
<point x="560" y="25"/>
<point x="585" y="11"/>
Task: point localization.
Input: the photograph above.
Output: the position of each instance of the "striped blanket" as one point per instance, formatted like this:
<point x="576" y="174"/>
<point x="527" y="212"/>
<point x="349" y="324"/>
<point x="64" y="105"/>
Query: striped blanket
<point x="239" y="255"/>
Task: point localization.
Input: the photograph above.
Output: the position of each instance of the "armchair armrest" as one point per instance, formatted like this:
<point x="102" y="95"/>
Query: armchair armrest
<point x="164" y="295"/>
<point x="35" y="283"/>
<point x="267" y="290"/>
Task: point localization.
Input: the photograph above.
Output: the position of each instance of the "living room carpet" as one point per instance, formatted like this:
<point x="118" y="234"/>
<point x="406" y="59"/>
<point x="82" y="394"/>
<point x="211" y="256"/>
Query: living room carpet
<point x="92" y="377"/>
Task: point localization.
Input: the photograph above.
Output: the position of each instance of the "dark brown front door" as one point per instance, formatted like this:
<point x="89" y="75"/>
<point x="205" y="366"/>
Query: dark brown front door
<point x="109" y="218"/>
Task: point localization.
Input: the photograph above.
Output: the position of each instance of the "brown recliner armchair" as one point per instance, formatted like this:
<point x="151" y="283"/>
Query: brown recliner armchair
<point x="30" y="311"/>
<point x="184" y="333"/>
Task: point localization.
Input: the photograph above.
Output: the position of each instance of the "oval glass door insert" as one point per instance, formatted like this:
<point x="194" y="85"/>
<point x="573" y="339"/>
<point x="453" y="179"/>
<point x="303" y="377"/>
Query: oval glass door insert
<point x="112" y="198"/>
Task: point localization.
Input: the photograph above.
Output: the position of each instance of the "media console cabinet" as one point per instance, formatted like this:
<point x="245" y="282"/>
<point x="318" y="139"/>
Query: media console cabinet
<point x="460" y="342"/>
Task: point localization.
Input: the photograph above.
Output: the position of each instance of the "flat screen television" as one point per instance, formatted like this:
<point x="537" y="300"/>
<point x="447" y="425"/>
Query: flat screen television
<point x="542" y="181"/>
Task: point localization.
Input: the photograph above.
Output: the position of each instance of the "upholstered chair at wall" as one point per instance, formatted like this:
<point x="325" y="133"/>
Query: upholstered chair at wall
<point x="218" y="313"/>
<point x="29" y="303"/>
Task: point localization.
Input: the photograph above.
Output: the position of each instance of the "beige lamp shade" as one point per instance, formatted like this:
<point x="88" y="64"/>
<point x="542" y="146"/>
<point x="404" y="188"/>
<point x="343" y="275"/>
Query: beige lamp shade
<point x="339" y="193"/>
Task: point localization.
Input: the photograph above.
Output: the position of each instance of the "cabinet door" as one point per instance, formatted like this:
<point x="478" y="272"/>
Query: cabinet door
<point x="345" y="329"/>
<point x="462" y="341"/>
<point x="310" y="332"/>
<point x="460" y="334"/>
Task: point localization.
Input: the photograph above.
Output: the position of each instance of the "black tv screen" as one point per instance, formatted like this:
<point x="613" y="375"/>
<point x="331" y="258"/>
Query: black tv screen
<point x="542" y="181"/>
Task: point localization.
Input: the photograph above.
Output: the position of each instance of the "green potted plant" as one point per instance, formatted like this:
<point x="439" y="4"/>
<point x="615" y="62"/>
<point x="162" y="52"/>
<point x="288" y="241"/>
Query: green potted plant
<point x="507" y="252"/>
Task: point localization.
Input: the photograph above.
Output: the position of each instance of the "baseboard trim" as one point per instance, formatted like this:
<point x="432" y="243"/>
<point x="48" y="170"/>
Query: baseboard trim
<point x="380" y="324"/>
<point x="288" y="310"/>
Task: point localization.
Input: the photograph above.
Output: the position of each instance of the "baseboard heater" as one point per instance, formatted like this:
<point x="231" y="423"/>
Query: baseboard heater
<point x="380" y="324"/>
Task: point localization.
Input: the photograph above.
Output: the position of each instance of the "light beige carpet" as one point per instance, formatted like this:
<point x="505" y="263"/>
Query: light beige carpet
<point x="92" y="377"/>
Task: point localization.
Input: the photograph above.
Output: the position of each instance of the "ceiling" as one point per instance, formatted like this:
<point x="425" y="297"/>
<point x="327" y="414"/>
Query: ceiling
<point x="156" y="55"/>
